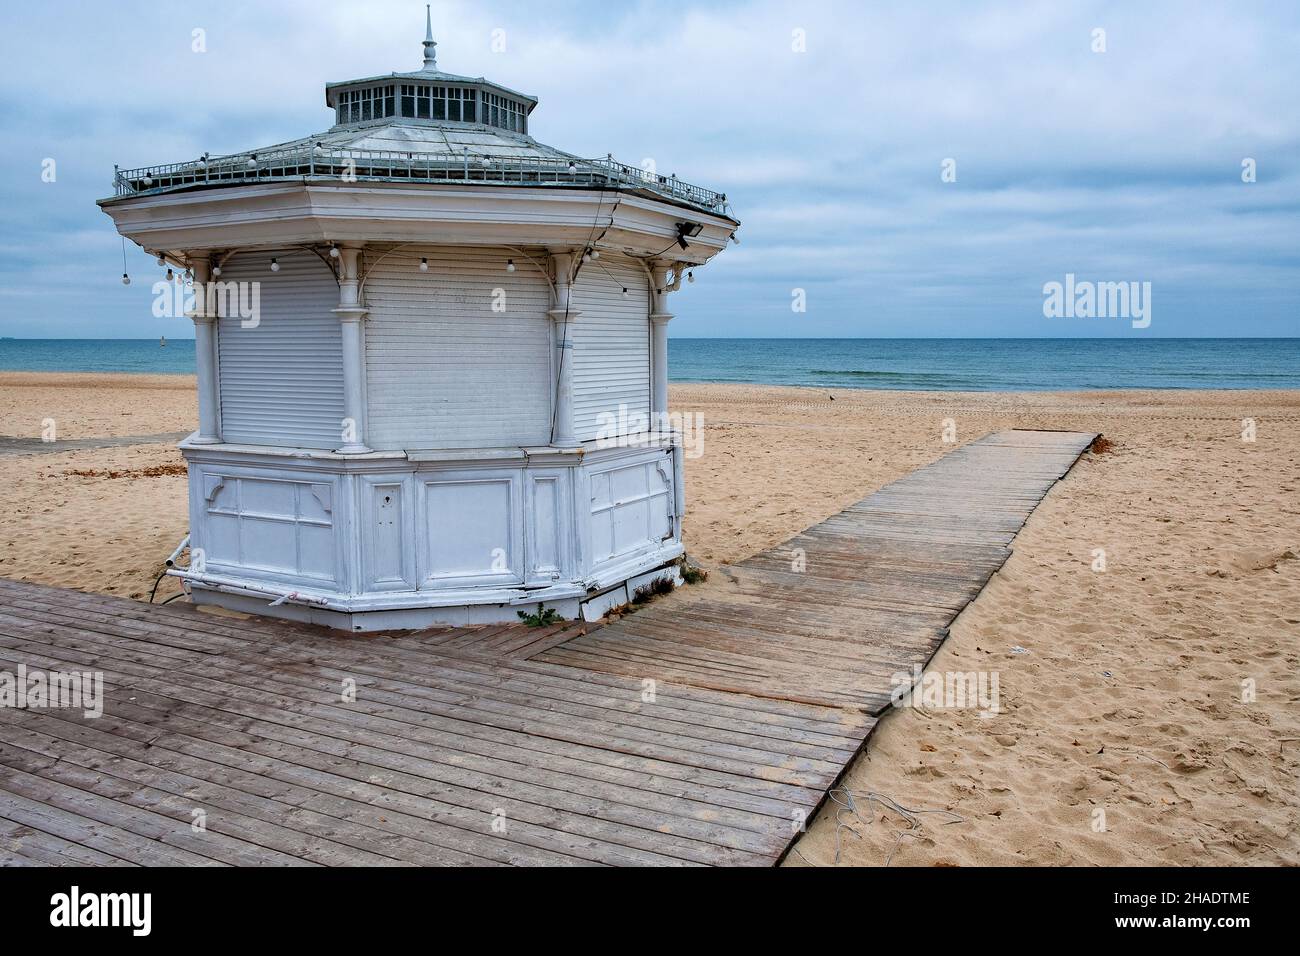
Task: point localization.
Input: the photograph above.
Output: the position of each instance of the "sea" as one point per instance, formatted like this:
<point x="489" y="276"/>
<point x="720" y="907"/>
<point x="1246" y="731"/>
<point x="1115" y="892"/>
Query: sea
<point x="912" y="364"/>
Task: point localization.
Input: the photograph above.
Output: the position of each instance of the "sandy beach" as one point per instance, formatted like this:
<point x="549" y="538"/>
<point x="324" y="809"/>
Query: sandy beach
<point x="1121" y="689"/>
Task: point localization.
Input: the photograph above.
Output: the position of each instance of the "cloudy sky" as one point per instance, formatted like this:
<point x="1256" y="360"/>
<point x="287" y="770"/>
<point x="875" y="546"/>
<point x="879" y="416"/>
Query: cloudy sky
<point x="1122" y="165"/>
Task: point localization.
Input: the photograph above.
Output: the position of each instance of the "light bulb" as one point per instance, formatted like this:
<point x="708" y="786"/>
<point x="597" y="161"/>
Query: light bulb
<point x="126" y="279"/>
<point x="161" y="260"/>
<point x="275" y="266"/>
<point x="148" y="181"/>
<point x="573" y="168"/>
<point x="334" y="252"/>
<point x="595" y="253"/>
<point x="252" y="161"/>
<point x="424" y="265"/>
<point x="170" y="275"/>
<point x="510" y="265"/>
<point x="625" y="293"/>
<point x="734" y="239"/>
<point x="690" y="277"/>
<point x="216" y="270"/>
<point x="586" y="256"/>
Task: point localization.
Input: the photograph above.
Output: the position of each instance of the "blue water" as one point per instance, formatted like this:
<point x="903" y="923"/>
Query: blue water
<point x="97" y="355"/>
<point x="920" y="364"/>
<point x="990" y="364"/>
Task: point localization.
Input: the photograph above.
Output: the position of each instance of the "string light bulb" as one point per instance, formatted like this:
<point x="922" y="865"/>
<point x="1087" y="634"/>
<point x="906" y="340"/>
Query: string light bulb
<point x="510" y="265"/>
<point x="252" y="161"/>
<point x="690" y="277"/>
<point x="735" y="239"/>
<point x="170" y="275"/>
<point x="573" y="167"/>
<point x="275" y="265"/>
<point x="595" y="253"/>
<point x="216" y="271"/>
<point x="424" y="264"/>
<point x="625" y="292"/>
<point x="126" y="279"/>
<point x="148" y="181"/>
<point x="334" y="251"/>
<point x="161" y="260"/>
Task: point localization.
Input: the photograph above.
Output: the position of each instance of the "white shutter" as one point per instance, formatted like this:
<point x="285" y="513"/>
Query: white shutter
<point x="282" y="380"/>
<point x="611" y="344"/>
<point x="443" y="370"/>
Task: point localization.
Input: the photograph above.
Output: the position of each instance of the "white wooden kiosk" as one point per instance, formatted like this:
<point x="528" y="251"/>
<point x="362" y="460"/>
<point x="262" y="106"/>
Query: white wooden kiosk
<point x="450" y="405"/>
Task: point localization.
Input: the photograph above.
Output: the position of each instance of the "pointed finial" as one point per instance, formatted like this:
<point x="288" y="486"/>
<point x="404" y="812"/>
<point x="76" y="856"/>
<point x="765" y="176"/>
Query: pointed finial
<point x="430" y="47"/>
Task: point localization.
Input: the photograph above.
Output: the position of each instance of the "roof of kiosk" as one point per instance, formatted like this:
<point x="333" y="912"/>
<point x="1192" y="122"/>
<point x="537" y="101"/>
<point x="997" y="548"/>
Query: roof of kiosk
<point x="427" y="126"/>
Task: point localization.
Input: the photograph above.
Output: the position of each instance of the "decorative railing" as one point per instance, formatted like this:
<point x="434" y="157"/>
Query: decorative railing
<point x="324" y="163"/>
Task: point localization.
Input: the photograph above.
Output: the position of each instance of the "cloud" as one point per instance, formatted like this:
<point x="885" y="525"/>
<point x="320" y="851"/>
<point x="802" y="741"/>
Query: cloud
<point x="1117" y="165"/>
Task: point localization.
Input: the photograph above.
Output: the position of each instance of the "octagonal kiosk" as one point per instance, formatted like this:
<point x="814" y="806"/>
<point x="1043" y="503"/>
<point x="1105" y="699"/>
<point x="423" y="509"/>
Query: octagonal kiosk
<point x="431" y="359"/>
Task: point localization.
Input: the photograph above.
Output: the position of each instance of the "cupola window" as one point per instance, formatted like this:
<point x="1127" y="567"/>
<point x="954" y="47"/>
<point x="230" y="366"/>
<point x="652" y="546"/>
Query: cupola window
<point x="503" y="112"/>
<point x="369" y="103"/>
<point x="455" y="103"/>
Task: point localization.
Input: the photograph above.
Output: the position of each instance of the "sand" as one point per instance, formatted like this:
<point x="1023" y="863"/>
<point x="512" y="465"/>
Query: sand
<point x="1124" y="691"/>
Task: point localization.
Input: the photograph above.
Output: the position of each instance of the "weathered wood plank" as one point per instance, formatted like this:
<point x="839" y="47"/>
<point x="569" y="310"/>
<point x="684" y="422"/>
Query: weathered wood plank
<point x="766" y="684"/>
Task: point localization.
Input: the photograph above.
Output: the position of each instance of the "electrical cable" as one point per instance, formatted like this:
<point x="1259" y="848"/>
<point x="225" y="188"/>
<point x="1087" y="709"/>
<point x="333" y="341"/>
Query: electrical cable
<point x="156" y="582"/>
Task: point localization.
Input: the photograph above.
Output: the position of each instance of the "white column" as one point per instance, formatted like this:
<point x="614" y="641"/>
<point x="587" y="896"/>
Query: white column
<point x="659" y="319"/>
<point x="205" y="353"/>
<point x="351" y="314"/>
<point x="563" y="316"/>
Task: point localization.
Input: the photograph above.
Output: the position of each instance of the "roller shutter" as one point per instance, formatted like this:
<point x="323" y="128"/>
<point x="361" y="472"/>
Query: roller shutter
<point x="443" y="369"/>
<point x="611" y="344"/>
<point x="282" y="380"/>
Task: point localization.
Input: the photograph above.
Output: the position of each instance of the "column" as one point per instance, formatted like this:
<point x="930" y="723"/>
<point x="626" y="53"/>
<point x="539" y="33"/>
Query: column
<point x="205" y="352"/>
<point x="351" y="314"/>
<point x="563" y="316"/>
<point x="659" y="319"/>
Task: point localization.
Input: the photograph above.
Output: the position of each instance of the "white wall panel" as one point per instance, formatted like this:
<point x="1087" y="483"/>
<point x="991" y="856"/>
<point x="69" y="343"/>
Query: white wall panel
<point x="472" y="528"/>
<point x="631" y="508"/>
<point x="280" y="527"/>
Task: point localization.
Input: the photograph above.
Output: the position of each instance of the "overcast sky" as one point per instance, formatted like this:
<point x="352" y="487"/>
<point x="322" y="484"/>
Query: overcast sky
<point x="1123" y="165"/>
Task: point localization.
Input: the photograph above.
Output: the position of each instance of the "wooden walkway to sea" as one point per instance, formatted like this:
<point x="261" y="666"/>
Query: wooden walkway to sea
<point x="699" y="730"/>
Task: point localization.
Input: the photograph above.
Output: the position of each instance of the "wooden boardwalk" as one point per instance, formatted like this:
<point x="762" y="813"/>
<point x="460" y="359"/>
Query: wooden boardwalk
<point x="233" y="741"/>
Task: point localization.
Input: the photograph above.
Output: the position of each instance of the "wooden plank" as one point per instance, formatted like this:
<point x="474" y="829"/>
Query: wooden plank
<point x="335" y="840"/>
<point x="46" y="849"/>
<point x="765" y="689"/>
<point x="475" y="796"/>
<point x="459" y="683"/>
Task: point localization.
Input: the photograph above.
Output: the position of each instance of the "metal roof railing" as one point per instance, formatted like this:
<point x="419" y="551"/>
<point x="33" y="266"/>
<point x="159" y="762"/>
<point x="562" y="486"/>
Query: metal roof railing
<point x="328" y="164"/>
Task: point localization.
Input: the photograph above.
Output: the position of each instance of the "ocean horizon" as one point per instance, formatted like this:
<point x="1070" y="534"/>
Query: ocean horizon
<point x="929" y="364"/>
